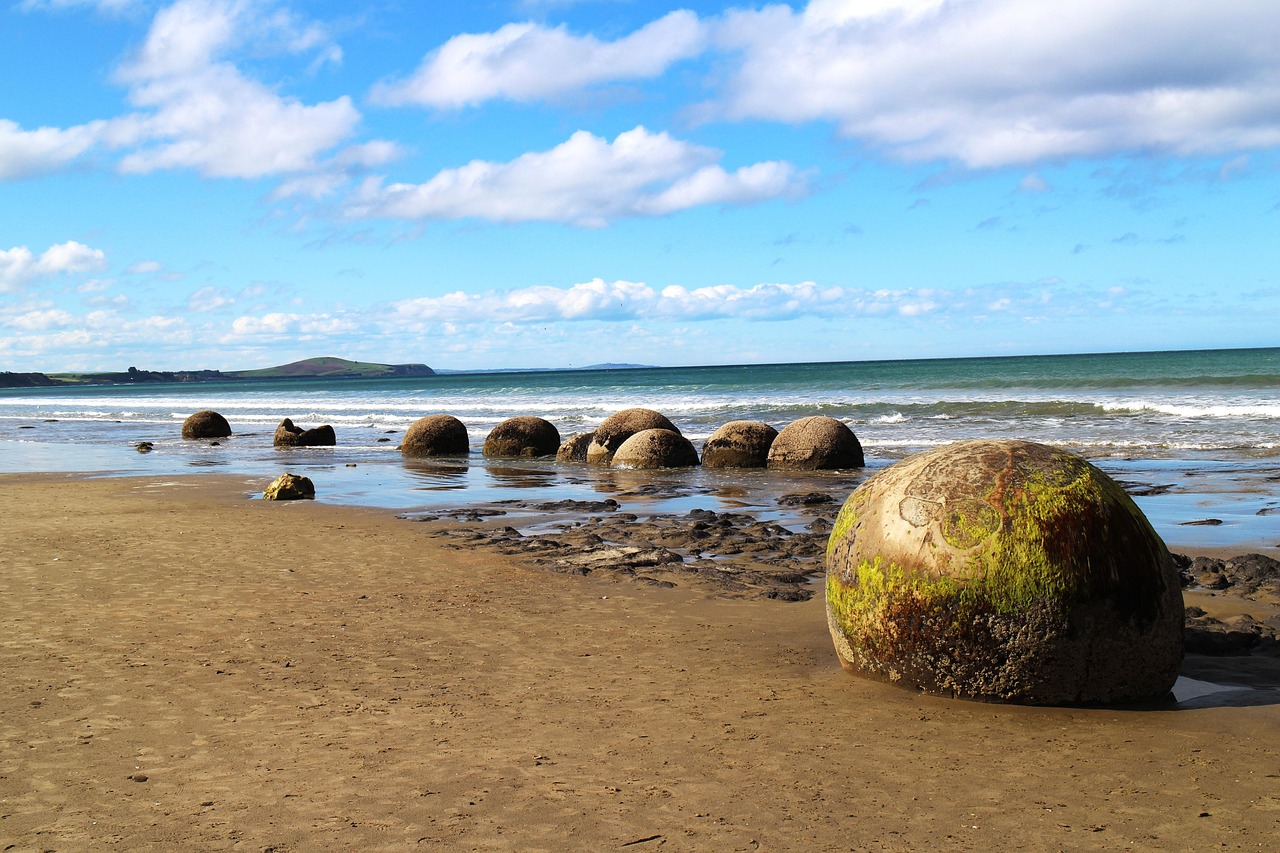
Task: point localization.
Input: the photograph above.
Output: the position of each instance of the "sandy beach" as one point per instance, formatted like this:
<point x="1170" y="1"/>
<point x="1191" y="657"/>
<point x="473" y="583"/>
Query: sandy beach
<point x="185" y="669"/>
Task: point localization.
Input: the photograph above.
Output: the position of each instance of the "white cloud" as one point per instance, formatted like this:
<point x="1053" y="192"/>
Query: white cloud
<point x="1000" y="82"/>
<point x="144" y="268"/>
<point x="585" y="181"/>
<point x="280" y="324"/>
<point x="25" y="153"/>
<point x="526" y="62"/>
<point x="19" y="266"/>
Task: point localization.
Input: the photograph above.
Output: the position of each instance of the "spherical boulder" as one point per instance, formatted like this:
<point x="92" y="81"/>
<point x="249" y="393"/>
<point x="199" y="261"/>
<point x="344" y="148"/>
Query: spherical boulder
<point x="739" y="444"/>
<point x="656" y="448"/>
<point x="575" y="448"/>
<point x="617" y="428"/>
<point x="525" y="436"/>
<point x="436" y="435"/>
<point x="816" y="443"/>
<point x="206" y="424"/>
<point x="288" y="435"/>
<point x="1005" y="571"/>
<point x="290" y="487"/>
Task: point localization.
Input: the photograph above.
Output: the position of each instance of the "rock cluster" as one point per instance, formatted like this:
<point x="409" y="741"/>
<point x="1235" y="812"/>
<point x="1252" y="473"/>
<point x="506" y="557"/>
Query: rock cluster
<point x="1006" y="571"/>
<point x="617" y="428"/>
<point x="288" y="435"/>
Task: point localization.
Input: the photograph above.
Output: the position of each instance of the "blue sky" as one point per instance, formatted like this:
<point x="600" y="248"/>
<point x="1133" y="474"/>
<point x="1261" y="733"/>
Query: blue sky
<point x="239" y="183"/>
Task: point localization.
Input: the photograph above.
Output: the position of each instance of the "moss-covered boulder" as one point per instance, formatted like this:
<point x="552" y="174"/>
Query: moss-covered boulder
<point x="617" y="428"/>
<point x="575" y="447"/>
<point x="1006" y="571"/>
<point x="656" y="448"/>
<point x="739" y="444"/>
<point x="289" y="435"/>
<point x="206" y="423"/>
<point x="816" y="443"/>
<point x="436" y="435"/>
<point x="523" y="436"/>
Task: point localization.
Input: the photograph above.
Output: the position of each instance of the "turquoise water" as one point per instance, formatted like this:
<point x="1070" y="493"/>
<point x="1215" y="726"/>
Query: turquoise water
<point x="1209" y="421"/>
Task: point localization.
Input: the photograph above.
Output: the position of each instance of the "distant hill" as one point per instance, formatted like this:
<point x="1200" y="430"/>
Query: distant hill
<point x="330" y="367"/>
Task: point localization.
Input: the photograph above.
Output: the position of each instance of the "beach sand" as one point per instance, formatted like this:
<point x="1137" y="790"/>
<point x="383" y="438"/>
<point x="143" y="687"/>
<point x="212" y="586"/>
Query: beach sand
<point x="185" y="669"/>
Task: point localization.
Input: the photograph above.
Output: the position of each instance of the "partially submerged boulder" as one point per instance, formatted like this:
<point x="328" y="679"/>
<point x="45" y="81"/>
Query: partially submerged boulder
<point x="618" y="427"/>
<point x="739" y="444"/>
<point x="206" y="423"/>
<point x="290" y="487"/>
<point x="656" y="448"/>
<point x="1006" y="571"/>
<point x="575" y="448"/>
<point x="436" y="435"/>
<point x="524" y="436"/>
<point x="816" y="443"/>
<point x="288" y="435"/>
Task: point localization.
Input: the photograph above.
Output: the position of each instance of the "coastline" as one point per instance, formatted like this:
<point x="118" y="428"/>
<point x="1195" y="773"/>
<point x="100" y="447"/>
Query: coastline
<point x="191" y="669"/>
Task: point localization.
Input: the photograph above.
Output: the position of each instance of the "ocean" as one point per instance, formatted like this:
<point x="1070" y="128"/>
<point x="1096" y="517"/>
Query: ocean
<point x="1196" y="434"/>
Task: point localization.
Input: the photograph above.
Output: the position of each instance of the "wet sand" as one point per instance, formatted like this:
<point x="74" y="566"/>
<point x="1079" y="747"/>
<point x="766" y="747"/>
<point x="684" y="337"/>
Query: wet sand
<point x="187" y="669"/>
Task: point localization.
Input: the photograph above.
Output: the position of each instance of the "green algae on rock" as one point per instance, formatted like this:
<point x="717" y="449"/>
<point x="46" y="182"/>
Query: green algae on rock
<point x="1006" y="571"/>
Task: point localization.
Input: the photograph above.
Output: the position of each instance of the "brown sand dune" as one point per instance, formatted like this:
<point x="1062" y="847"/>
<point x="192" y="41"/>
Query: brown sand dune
<point x="184" y="669"/>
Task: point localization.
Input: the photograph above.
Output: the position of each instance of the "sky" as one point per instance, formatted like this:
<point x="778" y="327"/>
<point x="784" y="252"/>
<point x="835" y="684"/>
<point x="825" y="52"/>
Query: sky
<point x="231" y="184"/>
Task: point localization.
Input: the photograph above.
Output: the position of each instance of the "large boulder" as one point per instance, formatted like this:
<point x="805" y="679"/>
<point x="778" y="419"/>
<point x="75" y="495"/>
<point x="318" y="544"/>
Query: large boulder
<point x="436" y="435"/>
<point x="206" y="424"/>
<point x="522" y="436"/>
<point x="288" y="435"/>
<point x="656" y="448"/>
<point x="290" y="487"/>
<point x="815" y="443"/>
<point x="739" y="444"/>
<point x="575" y="448"/>
<point x="1006" y="571"/>
<point x="617" y="428"/>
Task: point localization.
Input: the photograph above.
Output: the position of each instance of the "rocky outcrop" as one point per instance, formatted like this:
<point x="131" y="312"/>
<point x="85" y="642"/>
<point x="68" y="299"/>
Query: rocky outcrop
<point x="523" y="436"/>
<point x="816" y="443"/>
<point x="656" y="448"/>
<point x="1006" y="571"/>
<point x="739" y="444"/>
<point x="618" y="427"/>
<point x="436" y="435"/>
<point x="288" y="435"/>
<point x="290" y="487"/>
<point x="206" y="424"/>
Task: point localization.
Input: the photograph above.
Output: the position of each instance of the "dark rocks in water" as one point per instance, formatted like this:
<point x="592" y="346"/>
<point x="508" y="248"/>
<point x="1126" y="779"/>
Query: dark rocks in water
<point x="1206" y="635"/>
<point x="810" y="499"/>
<point x="1202" y="522"/>
<point x="288" y="435"/>
<point x="655" y="448"/>
<point x="290" y="487"/>
<point x="739" y="444"/>
<point x="575" y="448"/>
<point x="144" y="446"/>
<point x="206" y="424"/>
<point x="524" y="436"/>
<point x="1004" y="571"/>
<point x="816" y="443"/>
<point x="569" y="505"/>
<point x="436" y="435"/>
<point x="618" y="427"/>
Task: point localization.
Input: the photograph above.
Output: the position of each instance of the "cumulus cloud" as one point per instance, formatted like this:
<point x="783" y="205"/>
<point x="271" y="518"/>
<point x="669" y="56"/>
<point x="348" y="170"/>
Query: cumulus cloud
<point x="195" y="109"/>
<point x="19" y="266"/>
<point x="526" y="62"/>
<point x="1001" y="82"/>
<point x="26" y="153"/>
<point x="587" y="181"/>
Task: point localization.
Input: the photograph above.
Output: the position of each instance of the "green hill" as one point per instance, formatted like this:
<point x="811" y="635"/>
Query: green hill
<point x="329" y="367"/>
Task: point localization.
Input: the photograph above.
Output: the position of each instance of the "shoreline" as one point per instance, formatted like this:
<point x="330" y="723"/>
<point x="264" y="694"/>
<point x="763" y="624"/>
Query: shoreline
<point x="190" y="669"/>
